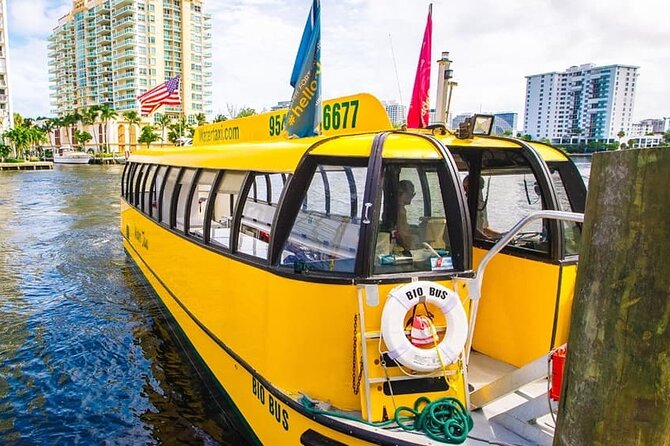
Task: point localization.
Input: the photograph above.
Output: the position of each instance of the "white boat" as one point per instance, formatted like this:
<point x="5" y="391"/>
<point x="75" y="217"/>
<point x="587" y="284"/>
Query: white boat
<point x="71" y="157"/>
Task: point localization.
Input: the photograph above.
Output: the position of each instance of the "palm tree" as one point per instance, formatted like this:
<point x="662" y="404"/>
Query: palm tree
<point x="132" y="117"/>
<point x="220" y="118"/>
<point x="107" y="113"/>
<point x="48" y="126"/>
<point x="88" y="118"/>
<point x="70" y="121"/>
<point x="18" y="136"/>
<point x="163" y="121"/>
<point x="201" y="119"/>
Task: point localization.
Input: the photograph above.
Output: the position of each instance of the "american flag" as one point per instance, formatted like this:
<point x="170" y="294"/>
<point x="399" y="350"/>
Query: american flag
<point x="164" y="94"/>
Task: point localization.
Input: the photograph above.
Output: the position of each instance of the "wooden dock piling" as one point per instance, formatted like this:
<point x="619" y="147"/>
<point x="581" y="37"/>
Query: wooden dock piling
<point x="617" y="380"/>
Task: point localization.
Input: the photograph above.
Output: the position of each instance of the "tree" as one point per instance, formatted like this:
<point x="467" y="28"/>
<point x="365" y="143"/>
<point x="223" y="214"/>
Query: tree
<point x="147" y="136"/>
<point x="163" y="121"/>
<point x="88" y="118"/>
<point x="201" y="119"/>
<point x="132" y="117"/>
<point x="18" y="136"/>
<point x="620" y="135"/>
<point x="220" y="118"/>
<point x="179" y="129"/>
<point x="666" y="137"/>
<point x="246" y="111"/>
<point x="106" y="113"/>
<point x="5" y="150"/>
<point x="48" y="126"/>
<point x="82" y="137"/>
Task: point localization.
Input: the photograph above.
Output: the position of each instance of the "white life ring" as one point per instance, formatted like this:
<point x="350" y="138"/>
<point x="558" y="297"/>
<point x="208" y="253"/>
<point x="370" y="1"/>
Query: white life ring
<point x="400" y="300"/>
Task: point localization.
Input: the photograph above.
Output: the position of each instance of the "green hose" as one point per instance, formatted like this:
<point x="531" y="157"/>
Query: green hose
<point x="445" y="420"/>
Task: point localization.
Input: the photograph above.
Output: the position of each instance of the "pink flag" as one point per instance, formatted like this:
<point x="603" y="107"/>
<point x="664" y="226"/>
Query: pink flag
<point x="419" y="108"/>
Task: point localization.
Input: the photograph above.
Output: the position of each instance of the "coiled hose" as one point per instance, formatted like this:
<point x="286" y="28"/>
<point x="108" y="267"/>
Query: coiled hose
<point x="445" y="420"/>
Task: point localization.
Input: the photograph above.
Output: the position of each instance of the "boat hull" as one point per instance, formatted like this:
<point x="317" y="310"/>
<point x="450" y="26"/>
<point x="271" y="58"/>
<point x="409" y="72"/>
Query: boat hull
<point x="82" y="158"/>
<point x="270" y="416"/>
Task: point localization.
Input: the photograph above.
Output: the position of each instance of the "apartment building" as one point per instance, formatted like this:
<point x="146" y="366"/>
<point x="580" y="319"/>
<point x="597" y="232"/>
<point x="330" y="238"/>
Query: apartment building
<point x="6" y="118"/>
<point x="111" y="51"/>
<point x="584" y="102"/>
<point x="397" y="112"/>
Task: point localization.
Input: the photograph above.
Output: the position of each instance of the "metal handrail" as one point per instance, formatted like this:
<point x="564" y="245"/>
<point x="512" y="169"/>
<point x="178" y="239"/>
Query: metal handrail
<point x="475" y="284"/>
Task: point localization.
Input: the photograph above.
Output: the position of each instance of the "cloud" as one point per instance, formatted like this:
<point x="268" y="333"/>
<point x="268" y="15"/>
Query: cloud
<point x="493" y="44"/>
<point x="29" y="79"/>
<point x="35" y="17"/>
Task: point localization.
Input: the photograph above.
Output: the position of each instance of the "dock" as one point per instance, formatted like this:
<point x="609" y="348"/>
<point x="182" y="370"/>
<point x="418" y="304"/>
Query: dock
<point x="109" y="160"/>
<point x="28" y="165"/>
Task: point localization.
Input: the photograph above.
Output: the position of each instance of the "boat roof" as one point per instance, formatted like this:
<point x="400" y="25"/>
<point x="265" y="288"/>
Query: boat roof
<point x="259" y="142"/>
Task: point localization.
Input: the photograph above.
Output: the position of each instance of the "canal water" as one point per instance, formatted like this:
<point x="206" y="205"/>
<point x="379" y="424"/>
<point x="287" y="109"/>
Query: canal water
<point x="85" y="355"/>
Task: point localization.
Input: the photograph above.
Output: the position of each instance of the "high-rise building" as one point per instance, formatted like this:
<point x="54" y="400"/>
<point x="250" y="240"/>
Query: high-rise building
<point x="504" y="122"/>
<point x="584" y="102"/>
<point x="5" y="102"/>
<point x="397" y="112"/>
<point x="111" y="51"/>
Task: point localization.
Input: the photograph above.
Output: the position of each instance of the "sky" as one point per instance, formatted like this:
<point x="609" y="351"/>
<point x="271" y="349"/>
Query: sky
<point x="373" y="46"/>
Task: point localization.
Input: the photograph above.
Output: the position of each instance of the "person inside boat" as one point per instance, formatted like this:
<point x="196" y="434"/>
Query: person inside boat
<point x="482" y="229"/>
<point x="403" y="235"/>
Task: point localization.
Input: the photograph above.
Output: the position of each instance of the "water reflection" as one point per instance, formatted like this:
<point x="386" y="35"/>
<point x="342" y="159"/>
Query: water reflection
<point x="85" y="355"/>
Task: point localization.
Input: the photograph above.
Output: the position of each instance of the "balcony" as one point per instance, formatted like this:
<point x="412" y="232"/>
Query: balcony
<point x="131" y="75"/>
<point x="124" y="55"/>
<point x="128" y="43"/>
<point x="119" y="23"/>
<point x="125" y="32"/>
<point x="126" y="11"/>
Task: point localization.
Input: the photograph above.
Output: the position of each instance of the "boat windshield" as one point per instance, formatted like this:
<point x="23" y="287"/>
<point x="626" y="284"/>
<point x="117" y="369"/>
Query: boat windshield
<point x="412" y="233"/>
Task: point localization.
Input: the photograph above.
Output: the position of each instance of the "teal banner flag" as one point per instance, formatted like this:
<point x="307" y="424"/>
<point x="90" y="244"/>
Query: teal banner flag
<point x="304" y="115"/>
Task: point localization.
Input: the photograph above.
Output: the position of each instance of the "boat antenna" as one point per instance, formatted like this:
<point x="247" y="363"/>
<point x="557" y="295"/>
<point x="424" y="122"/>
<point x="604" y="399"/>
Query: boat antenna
<point x="395" y="67"/>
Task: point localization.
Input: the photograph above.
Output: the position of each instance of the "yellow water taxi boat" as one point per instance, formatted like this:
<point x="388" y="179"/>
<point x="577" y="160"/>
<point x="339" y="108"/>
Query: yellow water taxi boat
<point x="328" y="284"/>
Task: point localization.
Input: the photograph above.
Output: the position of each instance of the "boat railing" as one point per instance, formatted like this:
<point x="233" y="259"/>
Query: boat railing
<point x="475" y="284"/>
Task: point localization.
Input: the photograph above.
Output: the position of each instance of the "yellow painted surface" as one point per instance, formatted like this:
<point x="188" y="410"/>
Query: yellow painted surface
<point x="549" y="153"/>
<point x="272" y="421"/>
<point x="297" y="335"/>
<point x="346" y="115"/>
<point x="516" y="310"/>
<point x="568" y="279"/>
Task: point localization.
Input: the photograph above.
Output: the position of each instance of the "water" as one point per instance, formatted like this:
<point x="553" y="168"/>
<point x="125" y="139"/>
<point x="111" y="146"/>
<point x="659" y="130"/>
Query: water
<point x="85" y="355"/>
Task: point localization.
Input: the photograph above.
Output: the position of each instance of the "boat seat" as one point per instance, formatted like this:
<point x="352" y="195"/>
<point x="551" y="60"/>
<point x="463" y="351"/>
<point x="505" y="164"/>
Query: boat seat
<point x="432" y="230"/>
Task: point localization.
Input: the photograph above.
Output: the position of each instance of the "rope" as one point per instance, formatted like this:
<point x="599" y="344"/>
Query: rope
<point x="445" y="420"/>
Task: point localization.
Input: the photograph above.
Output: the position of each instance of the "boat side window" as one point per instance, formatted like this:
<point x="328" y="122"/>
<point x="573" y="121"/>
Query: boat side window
<point x="154" y="191"/>
<point x="198" y="204"/>
<point x="137" y="183"/>
<point x="412" y="233"/>
<point x="507" y="191"/>
<point x="167" y="194"/>
<point x="325" y="234"/>
<point x="572" y="231"/>
<point x="257" y="216"/>
<point x="145" y="186"/>
<point x="223" y="210"/>
<point x="183" y="192"/>
<point x="124" y="175"/>
<point x="129" y="182"/>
